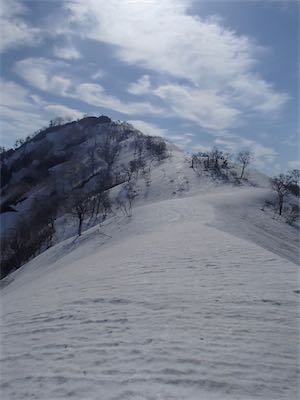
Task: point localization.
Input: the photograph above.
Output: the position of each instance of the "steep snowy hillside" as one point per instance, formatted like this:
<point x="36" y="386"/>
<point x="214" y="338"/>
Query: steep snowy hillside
<point x="161" y="305"/>
<point x="66" y="170"/>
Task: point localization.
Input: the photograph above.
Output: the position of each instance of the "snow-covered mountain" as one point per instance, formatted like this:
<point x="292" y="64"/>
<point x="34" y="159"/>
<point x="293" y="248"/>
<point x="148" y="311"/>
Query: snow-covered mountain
<point x="93" y="160"/>
<point x="91" y="167"/>
<point x="187" y="289"/>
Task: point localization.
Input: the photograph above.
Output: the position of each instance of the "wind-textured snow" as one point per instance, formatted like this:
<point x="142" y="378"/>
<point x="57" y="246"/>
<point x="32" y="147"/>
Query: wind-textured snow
<point x="167" y="304"/>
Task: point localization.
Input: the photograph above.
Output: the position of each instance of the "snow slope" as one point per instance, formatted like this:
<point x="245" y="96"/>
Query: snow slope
<point x="167" y="304"/>
<point x="240" y="212"/>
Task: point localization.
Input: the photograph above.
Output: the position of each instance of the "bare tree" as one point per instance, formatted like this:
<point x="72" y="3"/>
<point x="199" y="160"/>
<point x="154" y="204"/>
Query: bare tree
<point x="101" y="204"/>
<point x="284" y="184"/>
<point x="18" y="243"/>
<point x="126" y="197"/>
<point x="216" y="157"/>
<point x="80" y="208"/>
<point x="73" y="176"/>
<point x="56" y="122"/>
<point x="196" y="160"/>
<point x="292" y="214"/>
<point x="214" y="160"/>
<point x="109" y="150"/>
<point x="29" y="237"/>
<point x="294" y="186"/>
<point x="91" y="152"/>
<point x="138" y="145"/>
<point x="295" y="175"/>
<point x="43" y="214"/>
<point x="131" y="170"/>
<point x="244" y="158"/>
<point x="156" y="147"/>
<point x="226" y="160"/>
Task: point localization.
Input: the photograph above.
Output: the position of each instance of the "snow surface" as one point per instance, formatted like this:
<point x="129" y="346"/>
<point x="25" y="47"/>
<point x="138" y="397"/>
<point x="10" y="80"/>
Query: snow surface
<point x="190" y="298"/>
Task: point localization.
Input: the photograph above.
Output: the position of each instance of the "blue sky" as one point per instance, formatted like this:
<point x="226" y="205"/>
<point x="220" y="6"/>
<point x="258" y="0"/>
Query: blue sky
<point x="200" y="73"/>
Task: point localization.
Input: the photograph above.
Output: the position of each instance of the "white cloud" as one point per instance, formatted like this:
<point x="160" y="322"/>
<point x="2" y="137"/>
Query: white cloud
<point x="201" y="148"/>
<point x="15" y="31"/>
<point x="162" y="36"/>
<point x="66" y="53"/>
<point x="13" y="95"/>
<point x="59" y="110"/>
<point x="53" y="77"/>
<point x="142" y="86"/>
<point x="252" y="92"/>
<point x="99" y="74"/>
<point x="207" y="108"/>
<point x="12" y="8"/>
<point x="263" y="155"/>
<point x="96" y="95"/>
<point x="44" y="74"/>
<point x="181" y="140"/>
<point x="22" y="112"/>
<point x="148" y="128"/>
<point x="19" y="113"/>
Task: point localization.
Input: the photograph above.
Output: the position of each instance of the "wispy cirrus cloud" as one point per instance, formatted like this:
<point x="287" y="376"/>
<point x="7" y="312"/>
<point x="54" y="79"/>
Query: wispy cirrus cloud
<point x="263" y="155"/>
<point x="66" y="52"/>
<point x="204" y="107"/>
<point x="60" y="110"/>
<point x="252" y="92"/>
<point x="95" y="94"/>
<point x="148" y="128"/>
<point x="218" y="65"/>
<point x="45" y="74"/>
<point x="142" y="86"/>
<point x="196" y="72"/>
<point x="162" y="36"/>
<point x="54" y="77"/>
<point x="180" y="139"/>
<point x="218" y="85"/>
<point x="15" y="31"/>
<point x="22" y="112"/>
<point x="99" y="74"/>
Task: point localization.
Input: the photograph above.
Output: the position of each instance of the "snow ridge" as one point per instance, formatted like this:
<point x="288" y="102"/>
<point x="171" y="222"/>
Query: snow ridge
<point x="194" y="296"/>
<point x="166" y="306"/>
